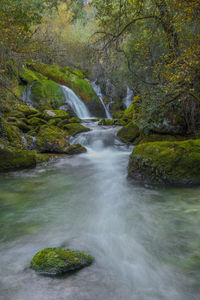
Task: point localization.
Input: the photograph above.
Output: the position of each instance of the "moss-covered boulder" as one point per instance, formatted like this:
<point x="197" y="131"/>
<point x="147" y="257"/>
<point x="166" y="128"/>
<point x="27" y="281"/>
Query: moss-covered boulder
<point x="52" y="140"/>
<point x="34" y="121"/>
<point x="26" y="110"/>
<point x="54" y="114"/>
<point x="56" y="261"/>
<point x="106" y="122"/>
<point x="15" y="159"/>
<point x="74" y="128"/>
<point x="75" y="149"/>
<point x="166" y="162"/>
<point x="129" y="133"/>
<point x="14" y="135"/>
<point x="47" y="93"/>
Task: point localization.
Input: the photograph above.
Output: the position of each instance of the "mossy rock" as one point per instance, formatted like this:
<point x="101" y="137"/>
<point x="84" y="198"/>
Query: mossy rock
<point x="74" y="120"/>
<point x="56" y="261"/>
<point x="75" y="149"/>
<point x="14" y="135"/>
<point x="26" y="110"/>
<point x="160" y="138"/>
<point x="52" y="114"/>
<point x="15" y="159"/>
<point x="29" y="76"/>
<point x="129" y="133"/>
<point x="52" y="140"/>
<point x="166" y="162"/>
<point x="106" y="122"/>
<point x="47" y="92"/>
<point x="34" y="121"/>
<point x="74" y="128"/>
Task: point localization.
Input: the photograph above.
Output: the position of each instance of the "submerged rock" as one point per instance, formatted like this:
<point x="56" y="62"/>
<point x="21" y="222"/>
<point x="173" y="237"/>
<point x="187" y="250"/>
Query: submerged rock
<point x="55" y="261"/>
<point x="166" y="162"/>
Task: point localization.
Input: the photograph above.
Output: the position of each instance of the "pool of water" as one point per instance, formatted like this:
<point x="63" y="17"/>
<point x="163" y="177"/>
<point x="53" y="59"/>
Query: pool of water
<point x="144" y="239"/>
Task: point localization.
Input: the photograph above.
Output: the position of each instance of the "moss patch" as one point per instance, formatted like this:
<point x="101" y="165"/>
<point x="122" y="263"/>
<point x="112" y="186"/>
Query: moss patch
<point x="48" y="93"/>
<point x="55" y="261"/>
<point x="75" y="149"/>
<point x="14" y="159"/>
<point x="74" y="128"/>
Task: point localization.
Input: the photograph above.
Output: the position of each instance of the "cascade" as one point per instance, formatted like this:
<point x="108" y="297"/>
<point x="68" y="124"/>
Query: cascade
<point x="76" y="103"/>
<point x="97" y="90"/>
<point x="26" y="97"/>
<point x="128" y="99"/>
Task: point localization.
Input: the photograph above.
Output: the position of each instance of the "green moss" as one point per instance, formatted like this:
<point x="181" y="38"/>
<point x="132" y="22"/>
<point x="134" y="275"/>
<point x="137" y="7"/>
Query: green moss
<point x="52" y="140"/>
<point x="29" y="75"/>
<point x="106" y="122"/>
<point x="167" y="162"/>
<point x="74" y="128"/>
<point x="26" y="110"/>
<point x="53" y="114"/>
<point x="34" y="121"/>
<point x="14" y="135"/>
<point x="55" y="261"/>
<point x="129" y="133"/>
<point x="48" y="93"/>
<point x="14" y="159"/>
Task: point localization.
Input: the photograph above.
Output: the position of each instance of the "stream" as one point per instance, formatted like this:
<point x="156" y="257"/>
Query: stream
<point x="139" y="235"/>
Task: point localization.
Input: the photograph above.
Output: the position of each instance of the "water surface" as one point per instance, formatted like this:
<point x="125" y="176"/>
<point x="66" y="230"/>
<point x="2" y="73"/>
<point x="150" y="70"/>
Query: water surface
<point x="142" y="237"/>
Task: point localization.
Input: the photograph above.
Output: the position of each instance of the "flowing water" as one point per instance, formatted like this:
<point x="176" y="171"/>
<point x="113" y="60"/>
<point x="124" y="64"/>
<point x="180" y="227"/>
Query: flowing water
<point x="97" y="90"/>
<point x="140" y="236"/>
<point x="129" y="98"/>
<point x="75" y="102"/>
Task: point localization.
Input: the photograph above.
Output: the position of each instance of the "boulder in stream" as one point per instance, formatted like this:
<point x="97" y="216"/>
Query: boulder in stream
<point x="56" y="261"/>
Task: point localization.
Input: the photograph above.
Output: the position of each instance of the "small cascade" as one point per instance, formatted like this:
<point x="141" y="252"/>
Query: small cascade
<point x="129" y="97"/>
<point x="76" y="103"/>
<point x="30" y="145"/>
<point x="97" y="90"/>
<point x="26" y="97"/>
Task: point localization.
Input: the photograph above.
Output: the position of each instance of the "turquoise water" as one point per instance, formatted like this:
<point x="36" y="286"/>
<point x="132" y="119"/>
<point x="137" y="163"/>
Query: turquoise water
<point x="145" y="240"/>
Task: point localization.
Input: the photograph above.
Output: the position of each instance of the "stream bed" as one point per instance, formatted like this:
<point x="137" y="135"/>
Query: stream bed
<point x="142" y="237"/>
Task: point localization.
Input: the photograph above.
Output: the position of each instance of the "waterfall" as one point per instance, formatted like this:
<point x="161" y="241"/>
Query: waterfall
<point x="26" y="97"/>
<point x="128" y="99"/>
<point x="76" y="103"/>
<point x="97" y="90"/>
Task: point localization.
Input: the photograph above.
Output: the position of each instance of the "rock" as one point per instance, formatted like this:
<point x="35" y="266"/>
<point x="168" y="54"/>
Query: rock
<point x="56" y="261"/>
<point x="52" y="114"/>
<point x="106" y="122"/>
<point x="15" y="159"/>
<point x="52" y="140"/>
<point x="34" y="121"/>
<point x="26" y="110"/>
<point x="166" y="162"/>
<point x="47" y="92"/>
<point x="74" y="128"/>
<point x="129" y="133"/>
<point x="75" y="149"/>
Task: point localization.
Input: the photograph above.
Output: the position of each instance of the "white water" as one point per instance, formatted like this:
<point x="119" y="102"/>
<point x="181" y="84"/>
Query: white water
<point x="129" y="97"/>
<point x="97" y="90"/>
<point x="76" y="103"/>
<point x="26" y="97"/>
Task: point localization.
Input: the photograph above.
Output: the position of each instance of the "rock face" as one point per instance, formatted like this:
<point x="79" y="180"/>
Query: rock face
<point x="166" y="162"/>
<point x="56" y="261"/>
